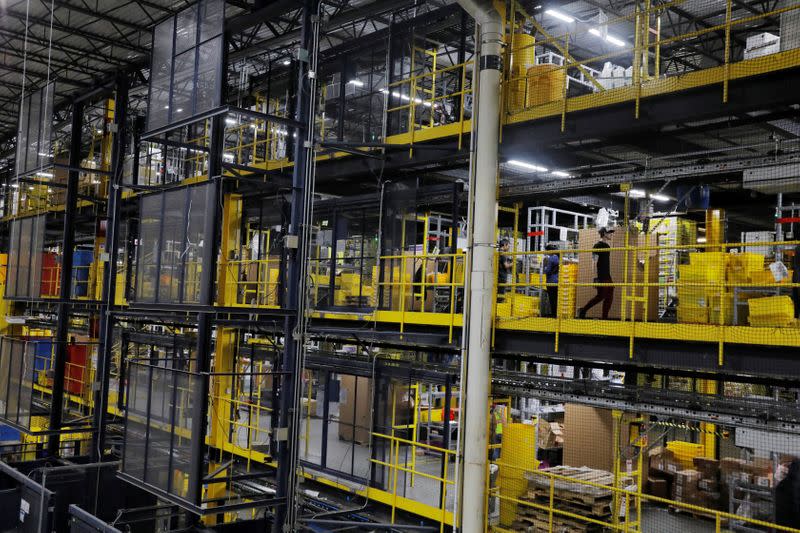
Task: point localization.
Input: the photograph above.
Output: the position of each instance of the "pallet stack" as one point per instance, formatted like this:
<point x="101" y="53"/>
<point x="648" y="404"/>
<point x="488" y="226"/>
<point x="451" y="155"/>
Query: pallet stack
<point x="573" y="497"/>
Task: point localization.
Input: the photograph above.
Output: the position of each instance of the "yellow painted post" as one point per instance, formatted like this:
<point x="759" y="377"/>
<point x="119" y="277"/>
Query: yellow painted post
<point x="727" y="69"/>
<point x="231" y="222"/>
<point x="550" y="505"/>
<point x="637" y="57"/>
<point x="708" y="435"/>
<point x="566" y="83"/>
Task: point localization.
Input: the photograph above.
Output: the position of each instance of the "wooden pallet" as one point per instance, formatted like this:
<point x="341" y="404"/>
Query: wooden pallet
<point x="574" y="490"/>
<point x="696" y="514"/>
<point x="561" y="524"/>
<point x="600" y="507"/>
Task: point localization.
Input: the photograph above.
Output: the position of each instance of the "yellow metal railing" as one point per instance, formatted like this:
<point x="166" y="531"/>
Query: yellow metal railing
<point x="254" y="283"/>
<point x="398" y="468"/>
<point x="540" y="89"/>
<point x="624" y="524"/>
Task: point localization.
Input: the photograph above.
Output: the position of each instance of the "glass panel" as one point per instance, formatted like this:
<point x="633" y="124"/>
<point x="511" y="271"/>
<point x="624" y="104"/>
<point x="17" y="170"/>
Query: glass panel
<point x="34" y="124"/>
<point x="22" y="135"/>
<point x="193" y="255"/>
<point x="37" y="245"/>
<point x="158" y="447"/>
<point x="208" y="76"/>
<point x="135" y="429"/>
<point x="13" y="260"/>
<point x="186" y="30"/>
<point x="181" y="444"/>
<point x="212" y="19"/>
<point x="173" y="247"/>
<point x="26" y="384"/>
<point x="160" y="75"/>
<point x="147" y="251"/>
<point x="23" y="278"/>
<point x="16" y="380"/>
<point x="183" y="86"/>
<point x="5" y="381"/>
<point x="44" y="152"/>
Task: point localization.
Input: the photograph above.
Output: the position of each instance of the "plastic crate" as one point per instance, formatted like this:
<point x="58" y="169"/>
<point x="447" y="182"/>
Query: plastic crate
<point x="685" y="452"/>
<point x="692" y="314"/>
<point x="771" y="311"/>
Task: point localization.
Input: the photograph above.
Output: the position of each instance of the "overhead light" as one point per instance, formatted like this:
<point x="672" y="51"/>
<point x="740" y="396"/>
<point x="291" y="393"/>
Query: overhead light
<point x="179" y="110"/>
<point x="231" y="121"/>
<point x="701" y="240"/>
<point x="610" y="38"/>
<point x="45" y="174"/>
<point x="560" y="16"/>
<point x="637" y="193"/>
<point x="560" y="174"/>
<point x="526" y="166"/>
<point x="385" y="90"/>
<point x="166" y="107"/>
<point x="227" y="156"/>
<point x="357" y="83"/>
<point x="660" y="197"/>
<point x="287" y="62"/>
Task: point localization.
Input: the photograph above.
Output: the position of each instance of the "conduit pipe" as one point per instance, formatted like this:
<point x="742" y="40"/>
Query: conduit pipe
<point x="482" y="272"/>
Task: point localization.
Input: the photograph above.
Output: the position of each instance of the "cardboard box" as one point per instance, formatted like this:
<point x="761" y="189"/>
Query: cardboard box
<point x="355" y="414"/>
<point x="709" y="468"/>
<point x="708" y="485"/>
<point x="551" y="435"/>
<point x="588" y="436"/>
<point x="587" y="238"/>
<point x="658" y="487"/>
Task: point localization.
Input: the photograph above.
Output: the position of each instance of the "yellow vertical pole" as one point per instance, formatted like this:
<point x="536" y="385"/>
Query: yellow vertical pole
<point x="708" y="435"/>
<point x="727" y="69"/>
<point x="231" y="222"/>
<point x="657" y="69"/>
<point x="637" y="56"/>
<point x="566" y="82"/>
<point x="646" y="44"/>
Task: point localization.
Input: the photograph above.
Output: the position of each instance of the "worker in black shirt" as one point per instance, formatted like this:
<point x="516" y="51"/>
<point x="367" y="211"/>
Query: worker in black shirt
<point x="601" y="256"/>
<point x="505" y="268"/>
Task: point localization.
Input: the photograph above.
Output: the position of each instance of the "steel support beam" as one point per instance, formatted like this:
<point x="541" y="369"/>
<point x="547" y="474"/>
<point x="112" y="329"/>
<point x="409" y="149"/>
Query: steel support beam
<point x="64" y="307"/>
<point x="110" y="269"/>
<point x="288" y="418"/>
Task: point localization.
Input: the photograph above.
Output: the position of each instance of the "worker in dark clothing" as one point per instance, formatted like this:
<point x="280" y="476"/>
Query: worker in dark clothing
<point x="787" y="497"/>
<point x="550" y="268"/>
<point x="505" y="268"/>
<point x="796" y="279"/>
<point x="601" y="256"/>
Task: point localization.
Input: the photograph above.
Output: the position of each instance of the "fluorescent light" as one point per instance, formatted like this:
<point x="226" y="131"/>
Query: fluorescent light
<point x="701" y="240"/>
<point x="357" y="83"/>
<point x="637" y="193"/>
<point x="560" y="16"/>
<point x="286" y="62"/>
<point x="179" y="110"/>
<point x="166" y="107"/>
<point x="45" y="174"/>
<point x="660" y="197"/>
<point x="560" y="174"/>
<point x="610" y="38"/>
<point x="526" y="166"/>
<point x="231" y="121"/>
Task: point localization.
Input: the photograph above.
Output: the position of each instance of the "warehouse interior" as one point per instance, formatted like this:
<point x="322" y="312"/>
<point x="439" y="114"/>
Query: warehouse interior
<point x="400" y="265"/>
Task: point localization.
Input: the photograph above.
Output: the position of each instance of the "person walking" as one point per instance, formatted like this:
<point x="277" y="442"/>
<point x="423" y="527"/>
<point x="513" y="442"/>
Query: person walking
<point x="552" y="263"/>
<point x="601" y="258"/>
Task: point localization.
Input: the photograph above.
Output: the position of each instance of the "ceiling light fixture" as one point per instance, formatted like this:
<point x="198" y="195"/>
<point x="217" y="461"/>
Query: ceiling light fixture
<point x="560" y="174"/>
<point x="660" y="197"/>
<point x="287" y="62"/>
<point x="701" y="240"/>
<point x="613" y="40"/>
<point x="357" y="83"/>
<point x="526" y="166"/>
<point x="637" y="193"/>
<point x="560" y="16"/>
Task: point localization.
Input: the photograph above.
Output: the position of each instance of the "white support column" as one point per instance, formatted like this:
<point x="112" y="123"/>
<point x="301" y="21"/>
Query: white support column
<point x="482" y="272"/>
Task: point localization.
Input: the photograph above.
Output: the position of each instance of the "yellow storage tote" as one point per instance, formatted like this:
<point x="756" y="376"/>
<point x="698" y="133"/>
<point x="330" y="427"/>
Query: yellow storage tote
<point x="685" y="452"/>
<point x="772" y="311"/>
